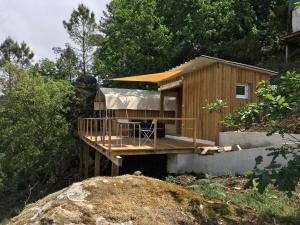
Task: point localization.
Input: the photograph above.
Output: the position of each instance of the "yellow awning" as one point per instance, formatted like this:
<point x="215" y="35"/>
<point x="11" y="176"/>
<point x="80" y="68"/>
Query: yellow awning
<point x="151" y="78"/>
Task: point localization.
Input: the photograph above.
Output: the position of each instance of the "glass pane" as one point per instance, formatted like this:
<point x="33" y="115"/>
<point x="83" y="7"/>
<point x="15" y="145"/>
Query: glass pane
<point x="240" y="90"/>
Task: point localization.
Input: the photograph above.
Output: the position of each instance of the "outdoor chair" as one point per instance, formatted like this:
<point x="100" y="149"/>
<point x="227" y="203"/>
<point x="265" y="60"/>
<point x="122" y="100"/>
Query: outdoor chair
<point x="147" y="133"/>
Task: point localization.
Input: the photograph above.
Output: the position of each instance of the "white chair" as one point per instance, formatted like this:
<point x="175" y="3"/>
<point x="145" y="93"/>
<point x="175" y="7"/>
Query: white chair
<point x="147" y="133"/>
<point x="120" y="123"/>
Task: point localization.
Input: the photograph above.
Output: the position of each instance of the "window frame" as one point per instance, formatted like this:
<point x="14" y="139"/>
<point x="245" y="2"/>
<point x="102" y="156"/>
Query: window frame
<point x="247" y="91"/>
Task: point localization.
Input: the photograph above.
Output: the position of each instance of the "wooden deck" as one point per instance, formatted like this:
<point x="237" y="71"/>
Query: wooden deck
<point x="129" y="147"/>
<point x="100" y="135"/>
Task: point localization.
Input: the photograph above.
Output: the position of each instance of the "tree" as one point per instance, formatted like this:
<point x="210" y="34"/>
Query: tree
<point x="274" y="105"/>
<point x="47" y="68"/>
<point x="8" y="51"/>
<point x="135" y="40"/>
<point x="12" y="52"/>
<point x="151" y="36"/>
<point x="81" y="28"/>
<point x="25" y="55"/>
<point x="35" y="135"/>
<point x="67" y="62"/>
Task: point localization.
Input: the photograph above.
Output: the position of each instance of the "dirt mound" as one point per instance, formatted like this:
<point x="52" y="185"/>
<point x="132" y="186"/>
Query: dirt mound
<point x="129" y="200"/>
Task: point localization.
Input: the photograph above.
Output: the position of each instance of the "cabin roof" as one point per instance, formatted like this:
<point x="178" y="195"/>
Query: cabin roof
<point x="204" y="61"/>
<point x="135" y="99"/>
<point x="192" y="65"/>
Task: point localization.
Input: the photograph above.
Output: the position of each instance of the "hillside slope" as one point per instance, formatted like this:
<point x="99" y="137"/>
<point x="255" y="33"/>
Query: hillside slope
<point x="129" y="200"/>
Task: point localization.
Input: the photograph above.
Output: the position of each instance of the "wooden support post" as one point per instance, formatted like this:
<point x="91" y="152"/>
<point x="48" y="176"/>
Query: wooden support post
<point x="162" y="101"/>
<point x="114" y="170"/>
<point x="104" y="130"/>
<point x="195" y="134"/>
<point x="86" y="161"/>
<point x="98" y="157"/>
<point x="81" y="158"/>
<point x="155" y="133"/>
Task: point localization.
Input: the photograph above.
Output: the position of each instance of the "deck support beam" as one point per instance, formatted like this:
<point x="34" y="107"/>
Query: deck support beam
<point x="114" y="170"/>
<point x="98" y="157"/>
<point x="114" y="158"/>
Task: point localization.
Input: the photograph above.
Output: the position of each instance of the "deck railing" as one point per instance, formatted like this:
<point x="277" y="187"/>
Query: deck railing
<point x="103" y="130"/>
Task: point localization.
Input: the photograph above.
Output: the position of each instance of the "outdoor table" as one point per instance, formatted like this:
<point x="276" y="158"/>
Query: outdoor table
<point x="120" y="123"/>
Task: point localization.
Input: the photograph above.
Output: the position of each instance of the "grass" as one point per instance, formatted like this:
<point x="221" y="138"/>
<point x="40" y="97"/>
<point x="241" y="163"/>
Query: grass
<point x="270" y="206"/>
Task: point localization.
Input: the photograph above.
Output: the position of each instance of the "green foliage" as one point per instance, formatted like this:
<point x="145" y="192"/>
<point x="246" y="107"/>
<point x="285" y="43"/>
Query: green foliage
<point x="274" y="105"/>
<point x="269" y="206"/>
<point x="34" y="134"/>
<point x="209" y="188"/>
<point x="216" y="106"/>
<point x="135" y="42"/>
<point x="13" y="52"/>
<point x="151" y="36"/>
<point x="47" y="68"/>
<point x="67" y="63"/>
<point x="64" y="68"/>
<point x="81" y="28"/>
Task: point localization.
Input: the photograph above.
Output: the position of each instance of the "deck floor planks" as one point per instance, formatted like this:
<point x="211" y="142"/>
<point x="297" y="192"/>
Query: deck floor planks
<point x="164" y="146"/>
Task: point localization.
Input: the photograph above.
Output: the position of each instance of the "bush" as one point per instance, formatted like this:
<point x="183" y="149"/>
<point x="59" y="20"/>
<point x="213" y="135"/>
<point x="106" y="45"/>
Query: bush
<point x="35" y="135"/>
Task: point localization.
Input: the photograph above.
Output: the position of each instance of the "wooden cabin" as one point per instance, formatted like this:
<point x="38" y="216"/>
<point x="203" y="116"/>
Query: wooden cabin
<point x="179" y="105"/>
<point x="201" y="81"/>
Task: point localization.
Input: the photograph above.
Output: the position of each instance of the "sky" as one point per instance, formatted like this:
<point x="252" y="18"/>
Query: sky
<point x="39" y="22"/>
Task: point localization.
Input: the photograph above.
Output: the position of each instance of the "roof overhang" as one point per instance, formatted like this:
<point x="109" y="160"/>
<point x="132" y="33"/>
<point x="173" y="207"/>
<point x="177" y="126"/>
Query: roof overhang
<point x="150" y="78"/>
<point x="190" y="66"/>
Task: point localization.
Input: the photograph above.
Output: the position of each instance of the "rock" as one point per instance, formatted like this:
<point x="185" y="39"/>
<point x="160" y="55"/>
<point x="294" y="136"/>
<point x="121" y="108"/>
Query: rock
<point x="137" y="173"/>
<point x="126" y="200"/>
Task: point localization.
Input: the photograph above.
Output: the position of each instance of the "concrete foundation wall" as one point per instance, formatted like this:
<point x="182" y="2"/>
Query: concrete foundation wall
<point x="219" y="164"/>
<point x="253" y="139"/>
<point x="236" y="162"/>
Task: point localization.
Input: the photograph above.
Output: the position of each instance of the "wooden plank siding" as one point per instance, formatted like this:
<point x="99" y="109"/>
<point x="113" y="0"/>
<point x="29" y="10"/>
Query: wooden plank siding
<point x="217" y="81"/>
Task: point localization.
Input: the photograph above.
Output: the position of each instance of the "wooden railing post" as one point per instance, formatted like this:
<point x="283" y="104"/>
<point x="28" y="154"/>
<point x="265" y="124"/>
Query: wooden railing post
<point x="109" y="134"/>
<point x="96" y="129"/>
<point x="91" y="129"/>
<point x="104" y="130"/>
<point x="155" y="133"/>
<point x="87" y="127"/>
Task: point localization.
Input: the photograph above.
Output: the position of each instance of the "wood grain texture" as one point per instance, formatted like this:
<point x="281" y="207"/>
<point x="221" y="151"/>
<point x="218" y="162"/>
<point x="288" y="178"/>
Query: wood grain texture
<point x="204" y="86"/>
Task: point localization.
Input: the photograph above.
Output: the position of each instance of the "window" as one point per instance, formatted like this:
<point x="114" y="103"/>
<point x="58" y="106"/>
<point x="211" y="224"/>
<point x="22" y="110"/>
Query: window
<point x="242" y="91"/>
